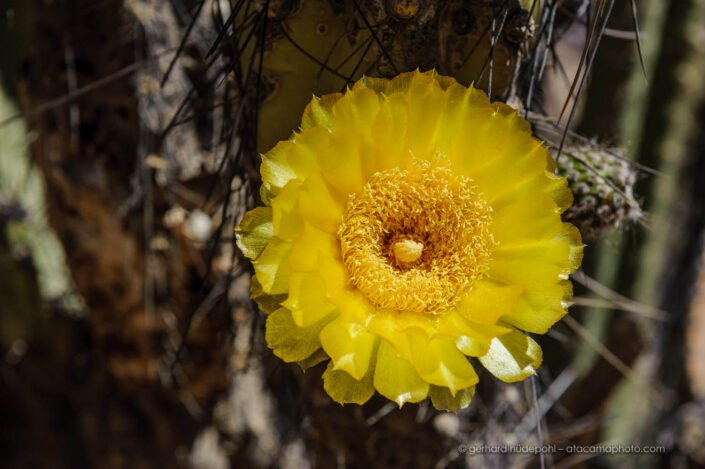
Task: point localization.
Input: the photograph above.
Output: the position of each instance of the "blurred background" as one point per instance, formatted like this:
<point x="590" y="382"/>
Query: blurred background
<point x="129" y="140"/>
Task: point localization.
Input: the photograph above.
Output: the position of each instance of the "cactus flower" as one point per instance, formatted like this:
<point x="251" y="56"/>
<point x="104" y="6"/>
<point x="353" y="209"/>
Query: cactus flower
<point x="411" y="230"/>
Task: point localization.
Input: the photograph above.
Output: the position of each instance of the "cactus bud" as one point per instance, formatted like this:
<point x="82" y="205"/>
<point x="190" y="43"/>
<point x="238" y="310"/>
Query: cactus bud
<point x="602" y="182"/>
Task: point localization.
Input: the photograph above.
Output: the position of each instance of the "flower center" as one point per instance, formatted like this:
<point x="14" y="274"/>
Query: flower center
<point x="415" y="240"/>
<point x="407" y="250"/>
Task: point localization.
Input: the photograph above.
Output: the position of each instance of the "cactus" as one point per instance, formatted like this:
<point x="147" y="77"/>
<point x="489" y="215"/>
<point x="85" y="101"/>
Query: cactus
<point x="320" y="47"/>
<point x="602" y="181"/>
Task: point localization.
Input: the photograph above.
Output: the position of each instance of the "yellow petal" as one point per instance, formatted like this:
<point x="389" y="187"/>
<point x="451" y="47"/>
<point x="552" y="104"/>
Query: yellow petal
<point x="487" y="301"/>
<point x="312" y="245"/>
<point x="319" y="206"/>
<point x="272" y="267"/>
<point x="290" y="342"/>
<point x="482" y="139"/>
<point x="558" y="188"/>
<point x="426" y="104"/>
<point x="267" y="303"/>
<point x="340" y="165"/>
<point x="532" y="217"/>
<point x="571" y="235"/>
<point x="384" y="151"/>
<point x="525" y="266"/>
<point x="317" y="357"/>
<point x="541" y="308"/>
<point x="523" y="158"/>
<point x="396" y="379"/>
<point x="460" y="103"/>
<point x="254" y="231"/>
<point x="390" y="327"/>
<point x="349" y="346"/>
<point x="514" y="121"/>
<point x="352" y="304"/>
<point x="512" y="357"/>
<point x="307" y="299"/>
<point x="536" y="264"/>
<point x="292" y="159"/>
<point x="319" y="112"/>
<point x="439" y="362"/>
<point x="286" y="221"/>
<point x="547" y="182"/>
<point x="344" y="389"/>
<point x="340" y="162"/>
<point x="275" y="169"/>
<point x="443" y="399"/>
<point x="452" y="323"/>
<point x="334" y="275"/>
<point x="471" y="346"/>
<point x="404" y="81"/>
<point x="356" y="109"/>
<point x="308" y="147"/>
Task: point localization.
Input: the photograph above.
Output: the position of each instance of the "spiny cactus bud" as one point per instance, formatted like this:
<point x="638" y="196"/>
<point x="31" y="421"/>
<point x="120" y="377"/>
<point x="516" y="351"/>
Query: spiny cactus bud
<point x="602" y="182"/>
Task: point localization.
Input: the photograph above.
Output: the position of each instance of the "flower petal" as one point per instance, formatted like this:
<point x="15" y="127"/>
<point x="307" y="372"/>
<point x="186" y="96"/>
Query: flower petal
<point x="396" y="379"/>
<point x="286" y="221"/>
<point x="267" y="303"/>
<point x="344" y="389"/>
<point x="540" y="308"/>
<point x="402" y="82"/>
<point x="292" y="159"/>
<point x="443" y="399"/>
<point x="383" y="151"/>
<point x="540" y="263"/>
<point x="275" y="169"/>
<point x="319" y="206"/>
<point x="483" y="138"/>
<point x="547" y="182"/>
<point x="487" y="301"/>
<point x="341" y="166"/>
<point x="340" y="162"/>
<point x="513" y="120"/>
<point x="307" y="299"/>
<point x="319" y="112"/>
<point x="531" y="217"/>
<point x="390" y="326"/>
<point x="272" y="267"/>
<point x="439" y="362"/>
<point x="426" y="104"/>
<point x="356" y="108"/>
<point x="512" y="357"/>
<point x="334" y="275"/>
<point x="254" y="231"/>
<point x="317" y="357"/>
<point x="310" y="247"/>
<point x="290" y="342"/>
<point x="471" y="346"/>
<point x="349" y="345"/>
<point x="452" y="323"/>
<point x="522" y="159"/>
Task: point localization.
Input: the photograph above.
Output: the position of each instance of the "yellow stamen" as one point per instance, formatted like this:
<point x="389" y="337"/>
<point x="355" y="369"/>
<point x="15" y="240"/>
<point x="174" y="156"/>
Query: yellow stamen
<point x="414" y="240"/>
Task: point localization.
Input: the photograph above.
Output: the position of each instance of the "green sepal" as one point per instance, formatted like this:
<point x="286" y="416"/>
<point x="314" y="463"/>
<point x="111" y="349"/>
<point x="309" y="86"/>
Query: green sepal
<point x="254" y="231"/>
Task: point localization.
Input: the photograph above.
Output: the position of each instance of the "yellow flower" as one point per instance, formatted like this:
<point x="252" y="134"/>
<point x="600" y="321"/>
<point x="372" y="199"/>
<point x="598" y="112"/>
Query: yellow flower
<point x="410" y="224"/>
